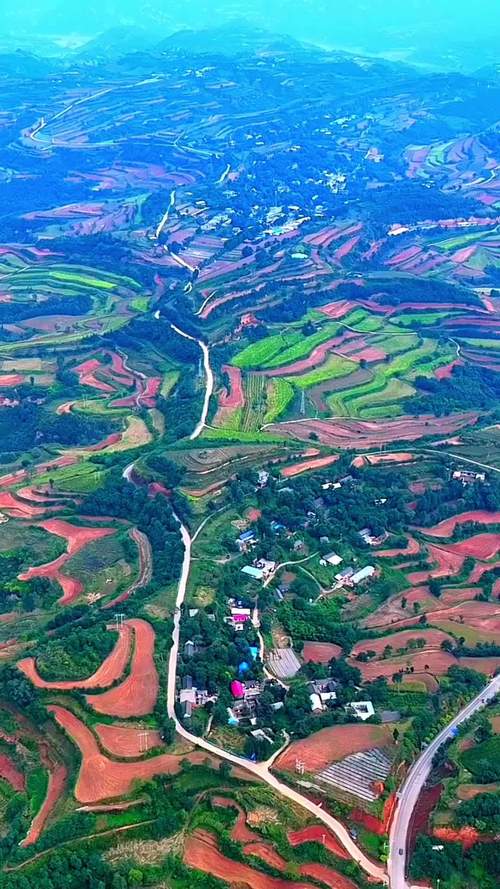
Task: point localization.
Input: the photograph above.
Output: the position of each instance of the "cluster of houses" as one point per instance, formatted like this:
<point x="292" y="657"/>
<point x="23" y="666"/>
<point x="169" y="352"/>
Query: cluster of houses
<point x="348" y="576"/>
<point x="191" y="697"/>
<point x="468" y="477"/>
<point x="323" y="692"/>
<point x="260" y="569"/>
<point x="246" y="707"/>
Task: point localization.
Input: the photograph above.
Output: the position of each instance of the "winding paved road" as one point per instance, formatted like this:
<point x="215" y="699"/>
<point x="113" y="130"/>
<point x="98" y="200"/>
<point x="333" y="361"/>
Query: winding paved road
<point x="418" y="773"/>
<point x="414" y="783"/>
<point x="260" y="770"/>
<point x="209" y="380"/>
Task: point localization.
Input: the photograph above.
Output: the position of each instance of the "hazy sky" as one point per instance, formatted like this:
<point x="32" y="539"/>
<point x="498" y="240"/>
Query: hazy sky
<point x="401" y="27"/>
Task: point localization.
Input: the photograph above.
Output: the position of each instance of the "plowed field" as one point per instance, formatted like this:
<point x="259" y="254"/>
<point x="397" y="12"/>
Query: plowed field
<point x="136" y="695"/>
<point x="447" y="526"/>
<point x="346" y="433"/>
<point x="121" y="740"/>
<point x="306" y="465"/>
<point x="101" y="778"/>
<point x="320" y="652"/>
<point x="331" y="744"/>
<point x="76" y="538"/>
<point x="201" y="852"/>
<point x="317" y="833"/>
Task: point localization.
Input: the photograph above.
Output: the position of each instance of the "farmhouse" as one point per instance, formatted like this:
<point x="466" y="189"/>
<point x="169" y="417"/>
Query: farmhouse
<point x="362" y="709"/>
<point x="331" y="559"/>
<point x="362" y="574"/>
<point x="238" y="617"/>
<point x="321" y="692"/>
<point x="468" y="477"/>
<point x="263" y="478"/>
<point x="345" y="575"/>
<point x="331" y="486"/>
<point x="246" y="540"/>
<point x="369" y="538"/>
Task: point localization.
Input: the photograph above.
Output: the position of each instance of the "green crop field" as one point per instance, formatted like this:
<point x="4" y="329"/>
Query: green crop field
<point x="394" y="343"/>
<point x="304" y="347"/>
<point x="362" y="320"/>
<point x="334" y="367"/>
<point x="279" y="396"/>
<point x="482" y="344"/>
<point x="81" y="478"/>
<point x="392" y="392"/>
<point x="424" y="319"/>
<point x="353" y="402"/>
<point x="170" y="380"/>
<point x="257" y="354"/>
<point x="255" y="402"/>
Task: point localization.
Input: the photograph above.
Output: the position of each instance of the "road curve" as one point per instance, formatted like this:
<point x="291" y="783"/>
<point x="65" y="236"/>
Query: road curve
<point x="209" y="385"/>
<point x="415" y="780"/>
<point x="259" y="770"/>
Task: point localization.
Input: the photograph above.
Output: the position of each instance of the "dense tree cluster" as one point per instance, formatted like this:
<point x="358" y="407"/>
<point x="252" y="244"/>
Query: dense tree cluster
<point x="75" y="652"/>
<point x="468" y="388"/>
<point x="153" y="516"/>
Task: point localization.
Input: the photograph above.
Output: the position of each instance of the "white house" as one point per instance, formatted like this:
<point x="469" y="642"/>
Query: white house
<point x="331" y="559"/>
<point x="362" y="709"/>
<point x="362" y="574"/>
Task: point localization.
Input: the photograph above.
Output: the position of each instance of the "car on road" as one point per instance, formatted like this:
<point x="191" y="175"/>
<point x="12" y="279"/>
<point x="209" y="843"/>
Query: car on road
<point x="401" y="851"/>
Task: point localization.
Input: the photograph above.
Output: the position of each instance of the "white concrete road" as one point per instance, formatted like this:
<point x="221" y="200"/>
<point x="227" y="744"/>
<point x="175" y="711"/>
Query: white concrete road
<point x="414" y="783"/>
<point x="417" y="775"/>
<point x="259" y="770"/>
<point x="209" y="380"/>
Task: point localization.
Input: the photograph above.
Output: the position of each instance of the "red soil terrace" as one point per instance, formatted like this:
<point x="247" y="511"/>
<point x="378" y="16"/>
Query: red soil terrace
<point x="316" y="358"/>
<point x="317" y="833"/>
<point x="77" y="538"/>
<point x="57" y="781"/>
<point x="306" y="465"/>
<point x="373" y="824"/>
<point x="122" y="740"/>
<point x="433" y="639"/>
<point x="17" y="509"/>
<point x="101" y="778"/>
<point x="348" y="433"/>
<point x="444" y="373"/>
<point x="235" y="397"/>
<point x="136" y="695"/>
<point x="110" y="670"/>
<point x="438" y="663"/>
<point x="86" y="375"/>
<point x="320" y="652"/>
<point x="240" y="832"/>
<point x="266" y="853"/>
<point x="201" y="852"/>
<point x="448" y="563"/>
<point x="8" y="380"/>
<point x="467" y="836"/>
<point x="411" y="549"/>
<point x="326" y="875"/>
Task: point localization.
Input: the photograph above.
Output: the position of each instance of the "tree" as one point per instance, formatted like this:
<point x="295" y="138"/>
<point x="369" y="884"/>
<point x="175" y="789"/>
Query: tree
<point x="167" y="731"/>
